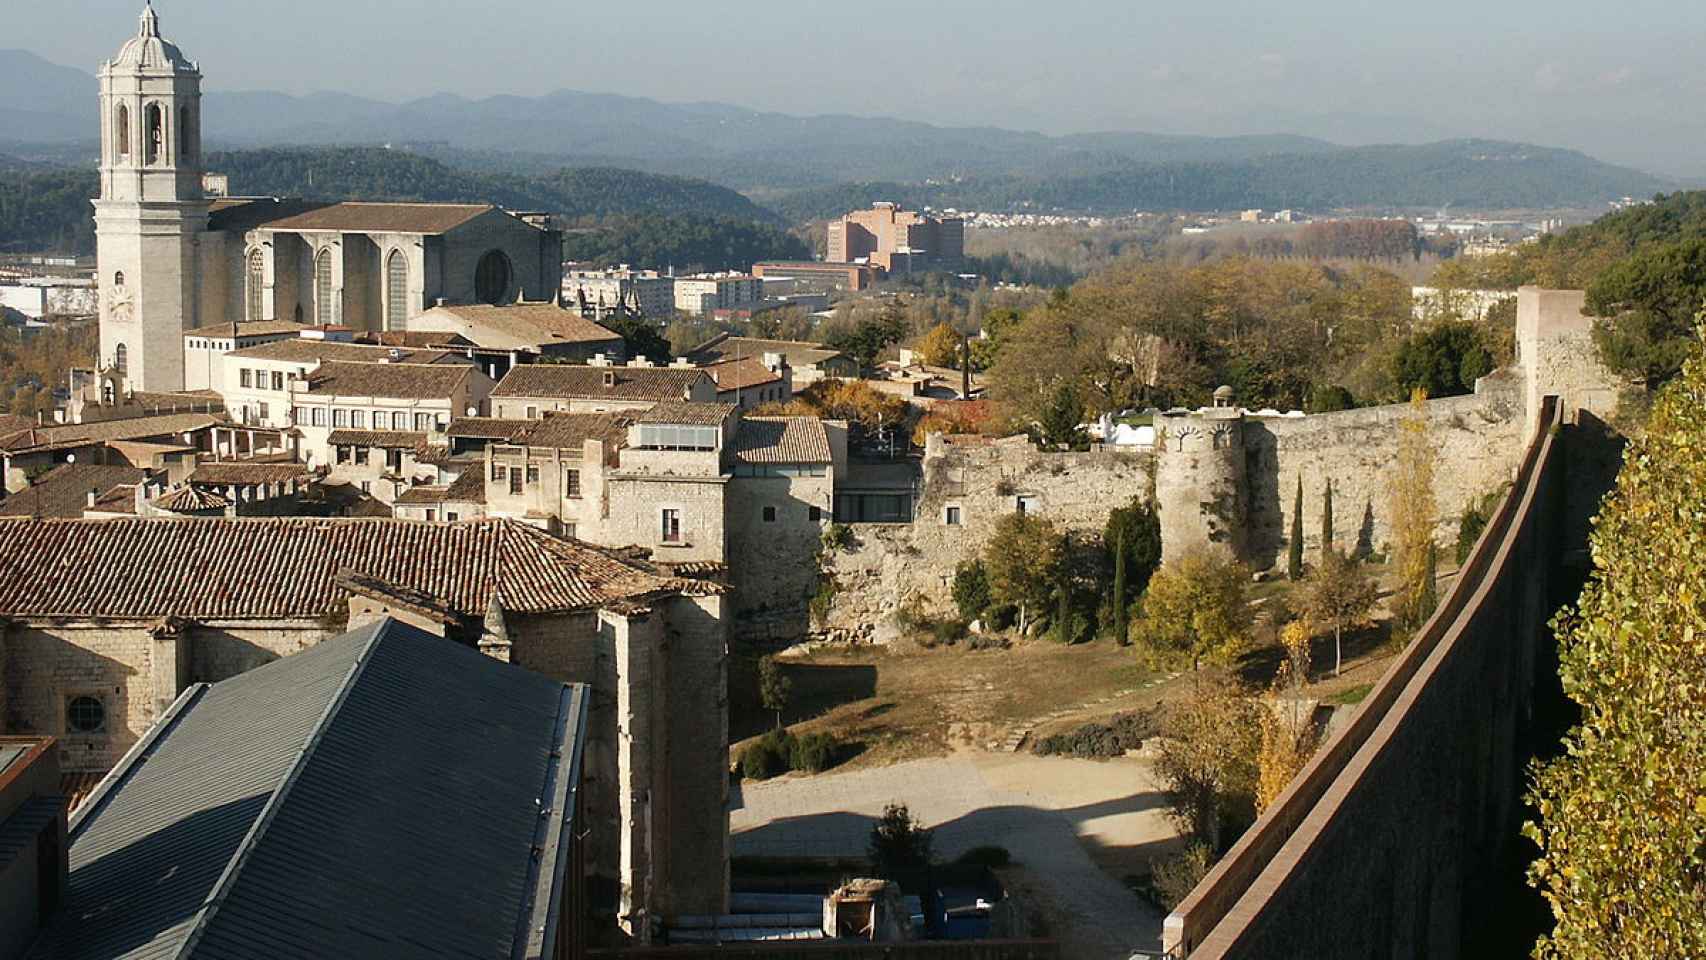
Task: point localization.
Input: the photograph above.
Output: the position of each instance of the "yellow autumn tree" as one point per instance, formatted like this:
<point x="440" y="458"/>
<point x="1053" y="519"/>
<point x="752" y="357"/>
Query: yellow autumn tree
<point x="1286" y="741"/>
<point x="940" y="347"/>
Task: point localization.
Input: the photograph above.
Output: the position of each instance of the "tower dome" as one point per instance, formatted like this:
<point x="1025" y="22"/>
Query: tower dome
<point x="149" y="51"/>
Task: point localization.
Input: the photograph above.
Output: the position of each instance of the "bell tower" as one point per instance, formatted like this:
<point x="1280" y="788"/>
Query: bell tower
<point x="151" y="214"/>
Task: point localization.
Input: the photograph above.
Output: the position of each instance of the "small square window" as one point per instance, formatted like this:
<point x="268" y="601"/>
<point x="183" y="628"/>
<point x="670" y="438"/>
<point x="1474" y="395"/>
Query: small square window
<point x="1027" y="505"/>
<point x="815" y="514"/>
<point x="952" y="516"/>
<point x="769" y="514"/>
<point x="361" y="456"/>
<point x="451" y="517"/>
<point x="671" y="526"/>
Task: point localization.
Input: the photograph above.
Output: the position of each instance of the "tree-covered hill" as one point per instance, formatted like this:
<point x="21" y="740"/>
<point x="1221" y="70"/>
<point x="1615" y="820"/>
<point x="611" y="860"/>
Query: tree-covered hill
<point x="1464" y="173"/>
<point x="48" y="209"/>
<point x="686" y="243"/>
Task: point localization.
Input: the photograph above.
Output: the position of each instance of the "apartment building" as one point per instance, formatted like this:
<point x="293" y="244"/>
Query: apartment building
<point x="707" y="292"/>
<point x="898" y="241"/>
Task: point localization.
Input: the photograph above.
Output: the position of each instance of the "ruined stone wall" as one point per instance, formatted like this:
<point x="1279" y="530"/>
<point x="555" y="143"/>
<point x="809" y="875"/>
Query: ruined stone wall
<point x="775" y="528"/>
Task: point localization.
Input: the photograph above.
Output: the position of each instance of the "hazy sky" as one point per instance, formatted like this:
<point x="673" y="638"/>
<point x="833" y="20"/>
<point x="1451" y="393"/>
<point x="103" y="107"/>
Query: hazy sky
<point x="1623" y="80"/>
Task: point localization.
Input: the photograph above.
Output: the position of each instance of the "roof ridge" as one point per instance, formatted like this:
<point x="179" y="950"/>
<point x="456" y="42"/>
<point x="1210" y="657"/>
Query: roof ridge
<point x="228" y="878"/>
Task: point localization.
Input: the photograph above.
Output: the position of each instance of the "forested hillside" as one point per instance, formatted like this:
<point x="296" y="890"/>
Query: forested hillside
<point x="686" y="243"/>
<point x="42" y="210"/>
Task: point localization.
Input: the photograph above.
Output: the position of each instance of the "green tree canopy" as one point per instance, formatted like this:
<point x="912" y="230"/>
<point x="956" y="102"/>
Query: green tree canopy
<point x="1647" y="303"/>
<point x="1196" y="608"/>
<point x="1024" y="559"/>
<point x="1444" y="360"/>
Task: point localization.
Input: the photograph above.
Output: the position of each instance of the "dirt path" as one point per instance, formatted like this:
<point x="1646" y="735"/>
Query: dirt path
<point x="1074" y="825"/>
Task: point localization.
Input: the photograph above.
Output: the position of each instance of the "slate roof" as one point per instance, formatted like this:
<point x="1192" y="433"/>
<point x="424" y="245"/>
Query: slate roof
<point x="62" y="436"/>
<point x="64" y="490"/>
<point x="345" y="217"/>
<point x="410" y="381"/>
<point x="782" y="440"/>
<point x="301" y="350"/>
<point x="382" y="794"/>
<point x="240" y="569"/>
<point x="535" y="324"/>
<point x="575" y="429"/>
<point x="800" y="353"/>
<point x="689" y="414"/>
<point x="565" y="381"/>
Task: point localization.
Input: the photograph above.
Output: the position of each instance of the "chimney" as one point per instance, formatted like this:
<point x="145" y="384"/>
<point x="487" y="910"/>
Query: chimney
<point x="774" y="362"/>
<point x="94" y="492"/>
<point x="609" y="378"/>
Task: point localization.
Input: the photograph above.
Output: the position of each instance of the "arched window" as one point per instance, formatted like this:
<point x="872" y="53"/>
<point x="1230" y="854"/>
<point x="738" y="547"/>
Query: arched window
<point x="156" y="144"/>
<point x="121" y="358"/>
<point x="118" y="278"/>
<point x="397" y="291"/>
<point x="323" y="312"/>
<point x="492" y="277"/>
<point x="186" y="135"/>
<point x="256" y="289"/>
<point x="122" y="134"/>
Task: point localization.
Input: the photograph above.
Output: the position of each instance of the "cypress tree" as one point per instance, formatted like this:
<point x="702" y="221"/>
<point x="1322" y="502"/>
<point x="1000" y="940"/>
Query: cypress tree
<point x="1430" y="594"/>
<point x="1327" y="518"/>
<point x="1119" y="589"/>
<point x="1063" y="630"/>
<point x="1294" y="560"/>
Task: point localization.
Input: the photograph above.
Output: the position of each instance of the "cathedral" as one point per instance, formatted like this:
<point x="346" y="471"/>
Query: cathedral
<point x="172" y="259"/>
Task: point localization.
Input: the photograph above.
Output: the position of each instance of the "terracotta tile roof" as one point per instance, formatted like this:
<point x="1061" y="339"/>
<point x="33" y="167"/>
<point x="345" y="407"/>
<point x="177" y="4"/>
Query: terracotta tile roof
<point x="800" y="353"/>
<point x="411" y="381"/>
<point x="61" y="436"/>
<point x="120" y="499"/>
<point x="534" y="324"/>
<point x="688" y="414"/>
<point x="563" y="381"/>
<point x="413" y="338"/>
<point x="190" y="499"/>
<point x="574" y="429"/>
<point x="468" y="487"/>
<point x="300" y="350"/>
<point x="782" y="440"/>
<point x="486" y="428"/>
<point x="11" y="423"/>
<point x="64" y="490"/>
<point x="425" y="493"/>
<point x="220" y="568"/>
<point x="742" y="374"/>
<point x="347" y="217"/>
<point x="240" y="473"/>
<point x="247" y="328"/>
<point x="388" y="439"/>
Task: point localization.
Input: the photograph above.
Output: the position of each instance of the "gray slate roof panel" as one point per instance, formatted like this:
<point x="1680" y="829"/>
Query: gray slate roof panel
<point x="376" y="795"/>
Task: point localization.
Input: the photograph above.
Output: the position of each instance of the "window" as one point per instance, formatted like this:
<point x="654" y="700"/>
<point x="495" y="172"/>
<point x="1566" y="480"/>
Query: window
<point x="361" y="456"/>
<point x="399" y="420"/>
<point x="671" y="526"/>
<point x="367" y="486"/>
<point x="340" y="418"/>
<point x="397" y="291"/>
<point x="492" y="278"/>
<point x="769" y="514"/>
<point x="570" y="530"/>
<point x="118" y="278"/>
<point x="278" y="380"/>
<point x="572" y="484"/>
<point x="515" y="482"/>
<point x="122" y="122"/>
<point x="256" y="284"/>
<point x="344" y="453"/>
<point x="451" y="517"/>
<point x="265" y="414"/>
<point x="155" y="146"/>
<point x="186" y="134"/>
<point x="532" y="476"/>
<point x="358" y="419"/>
<point x="532" y="413"/>
<point x="952" y="516"/>
<point x="121" y="358"/>
<point x="1027" y="504"/>
<point x="85" y="715"/>
<point x="431" y="515"/>
<point x="243" y="376"/>
<point x="663" y="436"/>
<point x="815" y="514"/>
<point x="423" y="422"/>
<point x="323" y="312"/>
<point x="298" y="415"/>
<point x="319" y="416"/>
<point x="498" y="471"/>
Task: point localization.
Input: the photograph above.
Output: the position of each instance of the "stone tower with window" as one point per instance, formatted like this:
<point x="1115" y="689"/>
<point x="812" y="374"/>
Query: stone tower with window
<point x="151" y="214"/>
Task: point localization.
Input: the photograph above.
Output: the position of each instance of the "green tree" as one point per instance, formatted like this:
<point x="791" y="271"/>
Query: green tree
<point x="774" y="687"/>
<point x="1122" y="633"/>
<point x="643" y="337"/>
<point x="1061" y="421"/>
<point x="1196" y="607"/>
<point x="898" y="841"/>
<point x="1648" y="303"/>
<point x="1327" y="517"/>
<point x="1338" y="595"/>
<point x="1294" y="554"/>
<point x="1137" y="526"/>
<point x="1208" y="761"/>
<point x="1444" y="360"/>
<point x="1622" y="808"/>
<point x="1024" y="560"/>
<point x="971" y="589"/>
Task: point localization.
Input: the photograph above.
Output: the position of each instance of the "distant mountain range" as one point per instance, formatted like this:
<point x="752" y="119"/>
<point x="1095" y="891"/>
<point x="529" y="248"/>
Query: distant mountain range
<point x="804" y="165"/>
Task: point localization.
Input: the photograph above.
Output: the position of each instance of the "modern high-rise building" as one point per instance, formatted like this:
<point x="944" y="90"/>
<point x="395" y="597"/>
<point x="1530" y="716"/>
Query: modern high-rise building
<point x="899" y="241"/>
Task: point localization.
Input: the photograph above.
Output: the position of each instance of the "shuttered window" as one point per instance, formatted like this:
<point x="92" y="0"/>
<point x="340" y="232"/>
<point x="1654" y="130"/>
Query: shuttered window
<point x="323" y="312"/>
<point x="397" y="291"/>
<point x="256" y="285"/>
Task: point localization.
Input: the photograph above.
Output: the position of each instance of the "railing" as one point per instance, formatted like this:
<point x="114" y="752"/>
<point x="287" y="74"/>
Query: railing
<point x="1233" y="876"/>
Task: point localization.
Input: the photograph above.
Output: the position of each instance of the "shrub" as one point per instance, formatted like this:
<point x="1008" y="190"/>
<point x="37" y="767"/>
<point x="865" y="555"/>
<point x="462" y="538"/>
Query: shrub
<point x="1327" y="398"/>
<point x="897" y="840"/>
<point x="1095" y="741"/>
<point x="948" y="632"/>
<point x="1178" y="875"/>
<point x="823" y="600"/>
<point x="815" y="752"/>
<point x="990" y="856"/>
<point x="768" y="756"/>
<point x="971" y="589"/>
<point x="837" y="536"/>
<point x="1001" y="616"/>
<point x="1073" y="628"/>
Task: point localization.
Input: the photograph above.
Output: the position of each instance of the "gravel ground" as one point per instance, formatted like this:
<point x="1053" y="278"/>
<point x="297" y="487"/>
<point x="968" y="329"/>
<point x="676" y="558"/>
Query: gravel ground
<point x="1074" y="825"/>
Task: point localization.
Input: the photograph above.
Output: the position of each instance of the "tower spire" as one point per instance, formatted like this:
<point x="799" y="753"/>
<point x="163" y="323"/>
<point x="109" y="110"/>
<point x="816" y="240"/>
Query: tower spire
<point x="150" y="20"/>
